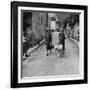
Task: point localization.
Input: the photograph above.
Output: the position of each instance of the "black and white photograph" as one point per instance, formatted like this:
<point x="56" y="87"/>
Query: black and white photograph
<point x="50" y="44"/>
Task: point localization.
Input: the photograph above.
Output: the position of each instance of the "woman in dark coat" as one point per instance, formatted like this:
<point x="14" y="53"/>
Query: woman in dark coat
<point x="62" y="39"/>
<point x="48" y="41"/>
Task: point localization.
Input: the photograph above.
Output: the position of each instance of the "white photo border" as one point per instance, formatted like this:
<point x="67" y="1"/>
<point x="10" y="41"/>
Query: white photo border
<point x="81" y="50"/>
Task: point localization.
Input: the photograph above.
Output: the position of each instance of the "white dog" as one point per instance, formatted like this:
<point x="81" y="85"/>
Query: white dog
<point x="59" y="49"/>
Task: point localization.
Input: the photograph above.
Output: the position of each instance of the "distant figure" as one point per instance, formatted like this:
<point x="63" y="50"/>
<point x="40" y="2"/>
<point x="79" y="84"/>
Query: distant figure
<point x="48" y="40"/>
<point x="62" y="38"/>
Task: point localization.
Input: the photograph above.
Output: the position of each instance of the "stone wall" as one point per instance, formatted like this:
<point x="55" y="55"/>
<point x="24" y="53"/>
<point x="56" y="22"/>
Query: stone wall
<point x="35" y="30"/>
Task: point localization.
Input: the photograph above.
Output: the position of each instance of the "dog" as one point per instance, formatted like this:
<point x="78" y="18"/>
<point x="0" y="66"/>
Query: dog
<point x="59" y="49"/>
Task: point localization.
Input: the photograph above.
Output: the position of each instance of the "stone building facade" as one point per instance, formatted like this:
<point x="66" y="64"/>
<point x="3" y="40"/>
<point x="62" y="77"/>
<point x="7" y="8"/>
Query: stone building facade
<point x="34" y="24"/>
<point x="39" y="21"/>
<point x="75" y="31"/>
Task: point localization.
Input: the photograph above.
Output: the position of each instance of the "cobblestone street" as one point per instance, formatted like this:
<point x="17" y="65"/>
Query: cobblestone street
<point x="38" y="64"/>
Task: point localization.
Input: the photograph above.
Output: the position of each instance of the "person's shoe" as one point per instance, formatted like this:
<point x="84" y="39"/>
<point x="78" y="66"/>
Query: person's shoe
<point x="26" y="55"/>
<point x="63" y="49"/>
<point x="47" y="54"/>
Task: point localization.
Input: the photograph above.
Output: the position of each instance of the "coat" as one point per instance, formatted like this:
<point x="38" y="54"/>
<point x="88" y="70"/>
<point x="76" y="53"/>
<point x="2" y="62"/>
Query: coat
<point x="61" y="38"/>
<point x="48" y="40"/>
